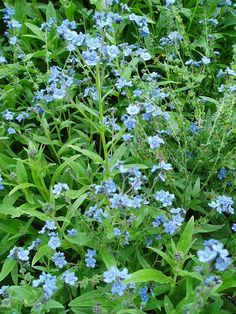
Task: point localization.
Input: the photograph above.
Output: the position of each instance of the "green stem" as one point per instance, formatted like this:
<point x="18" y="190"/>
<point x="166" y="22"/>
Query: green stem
<point x="102" y="130"/>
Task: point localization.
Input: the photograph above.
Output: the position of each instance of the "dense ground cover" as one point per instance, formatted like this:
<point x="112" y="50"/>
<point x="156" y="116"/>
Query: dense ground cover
<point x="117" y="159"/>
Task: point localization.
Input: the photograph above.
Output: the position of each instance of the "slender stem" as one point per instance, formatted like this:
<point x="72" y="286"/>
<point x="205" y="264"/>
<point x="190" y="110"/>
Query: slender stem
<point x="102" y="130"/>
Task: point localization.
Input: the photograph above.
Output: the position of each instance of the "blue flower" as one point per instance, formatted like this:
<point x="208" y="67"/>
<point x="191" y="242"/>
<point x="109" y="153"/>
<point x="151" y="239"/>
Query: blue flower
<point x="127" y="137"/>
<point x="3" y="291"/>
<point x="223" y="204"/>
<point x="162" y="166"/>
<point x="18" y="253"/>
<point x="34" y="244"/>
<point x="72" y="232"/>
<point x="164" y="197"/>
<point x="122" y="82"/>
<point x="54" y="241"/>
<point x="110" y="186"/>
<point x="90" y="260"/>
<point x="211" y="281"/>
<point x="118" y="288"/>
<point x="111" y="274"/>
<point x="90" y="57"/>
<point x="143" y="294"/>
<point x="11" y="131"/>
<point x="8" y="13"/>
<point x="206" y="255"/>
<point x="22" y="116"/>
<point x="132" y="110"/>
<point x="213" y="249"/>
<point x="155" y="141"/>
<point x="7" y="115"/>
<point x="116" y="232"/>
<point x="222" y="263"/>
<point x="59" y="259"/>
<point x="193" y="128"/>
<point x="143" y="54"/>
<point x="69" y="278"/>
<point x="3" y="59"/>
<point x="158" y="221"/>
<point x="49" y="226"/>
<point x="130" y="123"/>
<point x="206" y="60"/>
<point x="222" y="173"/>
<point x="48" y="282"/>
<point x="59" y="188"/>
<point x="234" y="227"/>
<point x="1" y="186"/>
<point x="169" y="3"/>
<point x="137" y="92"/>
<point x="13" y="40"/>
<point x="112" y="51"/>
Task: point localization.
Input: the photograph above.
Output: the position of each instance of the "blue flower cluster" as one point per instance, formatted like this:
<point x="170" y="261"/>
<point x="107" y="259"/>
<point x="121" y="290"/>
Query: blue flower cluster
<point x="173" y="38"/>
<point x="143" y="293"/>
<point x="69" y="278"/>
<point x="222" y="173"/>
<point x="59" y="259"/>
<point x="106" y="20"/>
<point x="57" y="86"/>
<point x="20" y="254"/>
<point x="141" y="22"/>
<point x="123" y="201"/>
<point x="215" y="251"/>
<point x="8" y="18"/>
<point x="162" y="167"/>
<point x="170" y="224"/>
<point x="48" y="283"/>
<point x="223" y="204"/>
<point x="90" y="260"/>
<point x="59" y="188"/>
<point x="155" y="141"/>
<point x="164" y="197"/>
<point x="1" y="186"/>
<point x="116" y="276"/>
<point x="96" y="213"/>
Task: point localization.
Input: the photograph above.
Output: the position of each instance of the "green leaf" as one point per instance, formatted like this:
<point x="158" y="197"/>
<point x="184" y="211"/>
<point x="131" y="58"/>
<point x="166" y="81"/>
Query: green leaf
<point x="169" y="307"/>
<point x="108" y="257"/>
<point x="44" y="250"/>
<point x="119" y="152"/>
<point x="205" y="228"/>
<point x="83" y="239"/>
<point x="7" y="267"/>
<point x="52" y="304"/>
<point x="196" y="188"/>
<point x="51" y="12"/>
<point x="229" y="281"/>
<point x="36" y="30"/>
<point x="79" y="201"/>
<point x="60" y="169"/>
<point x="25" y="294"/>
<point x="92" y="155"/>
<point x="142" y="261"/>
<point x="21" y="186"/>
<point x="145" y="275"/>
<point x="21" y="172"/>
<point x="185" y="239"/>
<point x="166" y="257"/>
<point x="70" y="9"/>
<point x="91" y="298"/>
<point x="6" y="209"/>
<point x="185" y="273"/>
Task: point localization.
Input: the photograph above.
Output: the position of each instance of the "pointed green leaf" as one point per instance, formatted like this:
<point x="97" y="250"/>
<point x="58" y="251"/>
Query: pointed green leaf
<point x="7" y="267"/>
<point x="145" y="275"/>
<point x="185" y="240"/>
